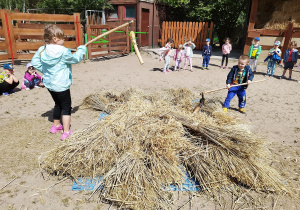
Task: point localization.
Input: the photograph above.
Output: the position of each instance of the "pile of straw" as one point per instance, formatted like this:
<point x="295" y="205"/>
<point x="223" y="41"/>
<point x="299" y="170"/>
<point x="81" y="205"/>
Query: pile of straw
<point x="147" y="142"/>
<point x="277" y="14"/>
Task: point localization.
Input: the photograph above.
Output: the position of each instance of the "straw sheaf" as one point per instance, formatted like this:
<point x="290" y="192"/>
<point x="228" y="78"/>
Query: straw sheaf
<point x="148" y="140"/>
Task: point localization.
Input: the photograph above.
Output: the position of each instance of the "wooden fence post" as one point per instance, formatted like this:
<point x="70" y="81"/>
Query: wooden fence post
<point x="210" y="32"/>
<point x="287" y="38"/>
<point x="9" y="34"/>
<point x="77" y="25"/>
<point x="127" y="40"/>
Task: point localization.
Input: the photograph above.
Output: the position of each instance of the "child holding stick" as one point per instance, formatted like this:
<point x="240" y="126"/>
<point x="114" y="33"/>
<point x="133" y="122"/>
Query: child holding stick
<point x="188" y="51"/>
<point x="54" y="61"/>
<point x="239" y="74"/>
<point x="226" y="48"/>
<point x="178" y="56"/>
<point x="290" y="59"/>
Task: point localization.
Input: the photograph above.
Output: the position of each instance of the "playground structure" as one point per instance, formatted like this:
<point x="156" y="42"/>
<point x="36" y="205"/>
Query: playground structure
<point x="23" y="32"/>
<point x="287" y="31"/>
<point x="182" y="32"/>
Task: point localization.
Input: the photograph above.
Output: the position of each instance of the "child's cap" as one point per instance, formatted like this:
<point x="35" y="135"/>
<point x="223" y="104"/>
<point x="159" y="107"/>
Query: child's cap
<point x="257" y="39"/>
<point x="277" y="43"/>
<point x="8" y="66"/>
<point x="207" y="40"/>
<point x="28" y="65"/>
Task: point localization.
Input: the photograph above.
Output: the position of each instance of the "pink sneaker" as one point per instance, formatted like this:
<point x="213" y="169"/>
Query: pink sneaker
<point x="55" y="129"/>
<point x="168" y="70"/>
<point x="66" y="135"/>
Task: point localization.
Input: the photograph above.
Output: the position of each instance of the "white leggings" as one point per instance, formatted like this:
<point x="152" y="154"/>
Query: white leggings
<point x="253" y="62"/>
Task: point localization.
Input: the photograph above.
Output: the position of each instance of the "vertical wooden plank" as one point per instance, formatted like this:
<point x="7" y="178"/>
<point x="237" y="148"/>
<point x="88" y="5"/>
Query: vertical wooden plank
<point x="190" y="31"/>
<point x="127" y="40"/>
<point x="175" y="35"/>
<point x="9" y="34"/>
<point x="287" y="38"/>
<point x="184" y="33"/>
<point x="76" y="17"/>
<point x="163" y="33"/>
<point x="109" y="42"/>
<point x="251" y="25"/>
<point x="210" y="32"/>
<point x="204" y="32"/>
<point x="193" y="32"/>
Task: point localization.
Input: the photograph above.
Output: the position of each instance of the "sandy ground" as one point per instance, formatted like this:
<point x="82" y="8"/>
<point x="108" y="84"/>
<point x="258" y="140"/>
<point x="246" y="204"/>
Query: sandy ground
<point x="273" y="111"/>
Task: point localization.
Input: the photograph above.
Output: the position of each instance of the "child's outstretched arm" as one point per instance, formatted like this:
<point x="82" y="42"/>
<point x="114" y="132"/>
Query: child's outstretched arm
<point x="75" y="57"/>
<point x="193" y="45"/>
<point x="36" y="60"/>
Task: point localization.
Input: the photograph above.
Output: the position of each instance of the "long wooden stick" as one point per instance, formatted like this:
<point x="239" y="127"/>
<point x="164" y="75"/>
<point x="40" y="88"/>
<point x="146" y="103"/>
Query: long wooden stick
<point x="108" y="32"/>
<point x="197" y="109"/>
<point x="136" y="49"/>
<point x="210" y="91"/>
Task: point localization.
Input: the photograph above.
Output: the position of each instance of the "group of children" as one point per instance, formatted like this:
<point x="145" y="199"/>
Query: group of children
<point x="274" y="57"/>
<point x="185" y="52"/>
<point x="8" y="81"/>
<point x="54" y="61"/>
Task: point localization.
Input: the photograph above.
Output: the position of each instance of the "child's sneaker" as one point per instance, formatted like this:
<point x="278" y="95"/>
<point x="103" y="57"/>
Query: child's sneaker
<point x="242" y="110"/>
<point x="221" y="67"/>
<point x="225" y="67"/>
<point x="281" y="77"/>
<point x="36" y="87"/>
<point x="206" y="68"/>
<point x="290" y="78"/>
<point x="55" y="129"/>
<point x="27" y="88"/>
<point x="66" y="135"/>
<point x="168" y="70"/>
<point x="224" y="109"/>
<point x="5" y="94"/>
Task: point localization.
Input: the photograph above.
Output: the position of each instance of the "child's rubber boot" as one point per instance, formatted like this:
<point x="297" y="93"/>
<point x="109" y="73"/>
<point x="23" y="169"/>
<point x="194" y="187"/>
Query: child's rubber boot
<point x="224" y="110"/>
<point x="55" y="129"/>
<point x="242" y="110"/>
<point x="66" y="135"/>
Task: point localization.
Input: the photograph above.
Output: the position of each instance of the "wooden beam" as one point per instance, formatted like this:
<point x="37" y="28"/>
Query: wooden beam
<point x="251" y="25"/>
<point x="287" y="38"/>
<point x="42" y="17"/>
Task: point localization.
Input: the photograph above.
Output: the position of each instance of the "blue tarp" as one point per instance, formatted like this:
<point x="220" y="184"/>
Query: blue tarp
<point x="87" y="184"/>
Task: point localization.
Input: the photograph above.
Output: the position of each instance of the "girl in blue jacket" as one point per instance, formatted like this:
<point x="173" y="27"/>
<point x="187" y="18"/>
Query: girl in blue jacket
<point x="54" y="61"/>
<point x="290" y="59"/>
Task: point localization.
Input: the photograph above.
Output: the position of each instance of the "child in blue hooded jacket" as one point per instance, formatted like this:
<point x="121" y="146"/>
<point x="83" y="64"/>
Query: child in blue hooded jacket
<point x="54" y="61"/>
<point x="206" y="53"/>
<point x="241" y="73"/>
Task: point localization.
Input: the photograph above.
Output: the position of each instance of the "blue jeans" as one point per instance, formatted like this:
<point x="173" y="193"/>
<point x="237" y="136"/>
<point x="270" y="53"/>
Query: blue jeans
<point x="271" y="67"/>
<point x="167" y="62"/>
<point x="205" y="60"/>
<point x="31" y="84"/>
<point x="240" y="92"/>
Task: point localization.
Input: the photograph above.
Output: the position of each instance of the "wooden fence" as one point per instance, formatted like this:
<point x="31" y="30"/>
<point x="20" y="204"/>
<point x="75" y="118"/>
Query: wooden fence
<point x="112" y="44"/>
<point x="182" y="32"/>
<point x="23" y="32"/>
<point x="288" y="34"/>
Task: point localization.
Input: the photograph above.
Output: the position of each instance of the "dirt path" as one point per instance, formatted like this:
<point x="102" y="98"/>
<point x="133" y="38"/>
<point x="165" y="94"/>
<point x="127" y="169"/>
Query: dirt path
<point x="273" y="111"/>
